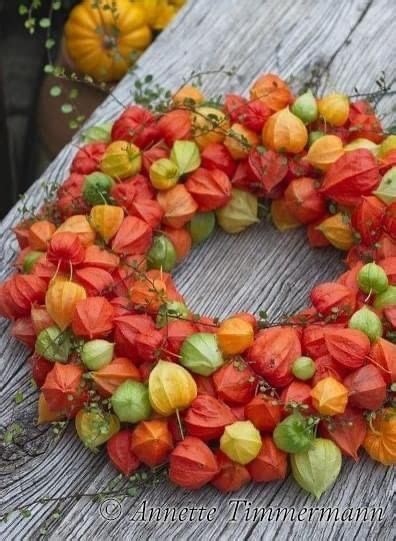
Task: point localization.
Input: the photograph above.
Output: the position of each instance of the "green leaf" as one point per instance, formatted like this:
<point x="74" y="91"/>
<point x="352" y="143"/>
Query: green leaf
<point x="18" y="398"/>
<point x="49" y="43"/>
<point x="55" y="91"/>
<point x="66" y="108"/>
<point x="45" y="22"/>
<point x="48" y="68"/>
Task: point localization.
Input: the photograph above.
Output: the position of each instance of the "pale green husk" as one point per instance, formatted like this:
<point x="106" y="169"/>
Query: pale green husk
<point x="200" y="353"/>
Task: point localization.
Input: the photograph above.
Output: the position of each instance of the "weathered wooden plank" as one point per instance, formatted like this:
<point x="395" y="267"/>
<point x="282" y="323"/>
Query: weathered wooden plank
<point x="349" y="42"/>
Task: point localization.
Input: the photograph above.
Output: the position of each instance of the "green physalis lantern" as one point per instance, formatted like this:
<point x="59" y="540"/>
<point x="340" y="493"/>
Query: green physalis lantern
<point x="53" y="344"/>
<point x="130" y="402"/>
<point x="200" y="353"/>
<point x="162" y="254"/>
<point x="294" y="434"/>
<point x="316" y="469"/>
<point x="96" y="188"/>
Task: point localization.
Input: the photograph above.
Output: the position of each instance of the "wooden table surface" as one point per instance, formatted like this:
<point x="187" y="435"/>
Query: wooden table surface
<point x="340" y="44"/>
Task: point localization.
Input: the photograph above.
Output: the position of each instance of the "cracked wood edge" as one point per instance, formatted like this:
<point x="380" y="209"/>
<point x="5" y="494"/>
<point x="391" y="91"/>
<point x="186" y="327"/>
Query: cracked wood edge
<point x="353" y="40"/>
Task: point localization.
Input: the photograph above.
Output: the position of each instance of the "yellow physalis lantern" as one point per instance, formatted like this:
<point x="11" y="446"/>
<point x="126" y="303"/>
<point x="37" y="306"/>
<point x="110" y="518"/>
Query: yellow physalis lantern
<point x="171" y="388"/>
<point x="106" y="220"/>
<point x="210" y="125"/>
<point x="61" y="299"/>
<point x="334" y="109"/>
<point x="325" y="151"/>
<point x="338" y="231"/>
<point x="235" y="335"/>
<point x="121" y="160"/>
<point x="241" y="442"/>
<point x="240" y="140"/>
<point x="329" y="396"/>
<point x="361" y="142"/>
<point x="187" y="94"/>
<point x="285" y="132"/>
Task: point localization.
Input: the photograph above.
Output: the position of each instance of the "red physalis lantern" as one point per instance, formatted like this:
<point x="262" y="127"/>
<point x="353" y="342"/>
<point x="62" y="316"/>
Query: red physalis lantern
<point x="62" y="389"/>
<point x="176" y="332"/>
<point x="210" y="189"/>
<point x="23" y="330"/>
<point x="367" y="219"/>
<point x="268" y="168"/>
<point x="108" y="378"/>
<point x="235" y="382"/>
<point x="232" y="476"/>
<point x="270" y="464"/>
<point x="136" y="125"/>
<point x="304" y="200"/>
<point x="88" y="158"/>
<point x="383" y="356"/>
<point x="325" y="367"/>
<point x="18" y="293"/>
<point x="333" y="300"/>
<point x="349" y="347"/>
<point x="65" y="250"/>
<point x="134" y="237"/>
<point x="347" y="431"/>
<point x="192" y="464"/>
<point x="367" y="388"/>
<point x="217" y="156"/>
<point x="175" y="126"/>
<point x="95" y="281"/>
<point x="354" y="174"/>
<point x="264" y="411"/>
<point x="207" y="417"/>
<point x="272" y="354"/>
<point x="120" y="452"/>
<point x="126" y="331"/>
<point x="40" y="368"/>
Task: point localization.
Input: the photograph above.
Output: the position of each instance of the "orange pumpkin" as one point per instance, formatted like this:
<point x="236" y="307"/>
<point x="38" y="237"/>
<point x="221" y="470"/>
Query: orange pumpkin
<point x="325" y="151"/>
<point x="178" y="206"/>
<point x="235" y="335"/>
<point x="285" y="132"/>
<point x="101" y="41"/>
<point x="79" y="225"/>
<point x="380" y="441"/>
<point x="272" y="91"/>
<point x="106" y="220"/>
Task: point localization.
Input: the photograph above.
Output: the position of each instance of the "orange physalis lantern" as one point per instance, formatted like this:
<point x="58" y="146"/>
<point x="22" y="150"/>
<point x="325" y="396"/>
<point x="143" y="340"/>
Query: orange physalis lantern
<point x="209" y="125"/>
<point x="62" y="389"/>
<point x="192" y="464"/>
<point x="264" y="411"/>
<point x="181" y="240"/>
<point x="108" y="378"/>
<point x="235" y="383"/>
<point x="93" y="318"/>
<point x="239" y="140"/>
<point x="329" y="397"/>
<point x="281" y="216"/>
<point x="45" y="414"/>
<point x="334" y="109"/>
<point x="106" y="220"/>
<point x="133" y="237"/>
<point x="149" y="294"/>
<point x="95" y="256"/>
<point x="40" y="233"/>
<point x="61" y="300"/>
<point x="367" y="387"/>
<point x="18" y="293"/>
<point x="188" y="93"/>
<point x="79" y="225"/>
<point x="152" y="442"/>
<point x="178" y="206"/>
<point x="333" y="299"/>
<point x="380" y="441"/>
<point x="285" y="132"/>
<point x="383" y="355"/>
<point x="348" y="431"/>
<point x="272" y="91"/>
<point x="349" y="347"/>
<point x="234" y="336"/>
<point x="304" y="200"/>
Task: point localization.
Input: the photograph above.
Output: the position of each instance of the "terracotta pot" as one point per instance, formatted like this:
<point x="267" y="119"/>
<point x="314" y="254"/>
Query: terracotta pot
<point x="53" y="125"/>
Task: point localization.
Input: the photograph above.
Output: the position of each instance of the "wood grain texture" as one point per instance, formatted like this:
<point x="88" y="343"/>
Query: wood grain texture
<point x="342" y="44"/>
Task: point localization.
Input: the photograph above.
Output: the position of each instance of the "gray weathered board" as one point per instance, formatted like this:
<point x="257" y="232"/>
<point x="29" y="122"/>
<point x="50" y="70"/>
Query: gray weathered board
<point x="334" y="44"/>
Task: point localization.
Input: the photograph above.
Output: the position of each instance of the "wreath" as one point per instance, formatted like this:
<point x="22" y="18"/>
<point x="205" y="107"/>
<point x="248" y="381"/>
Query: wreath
<point x="118" y="351"/>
